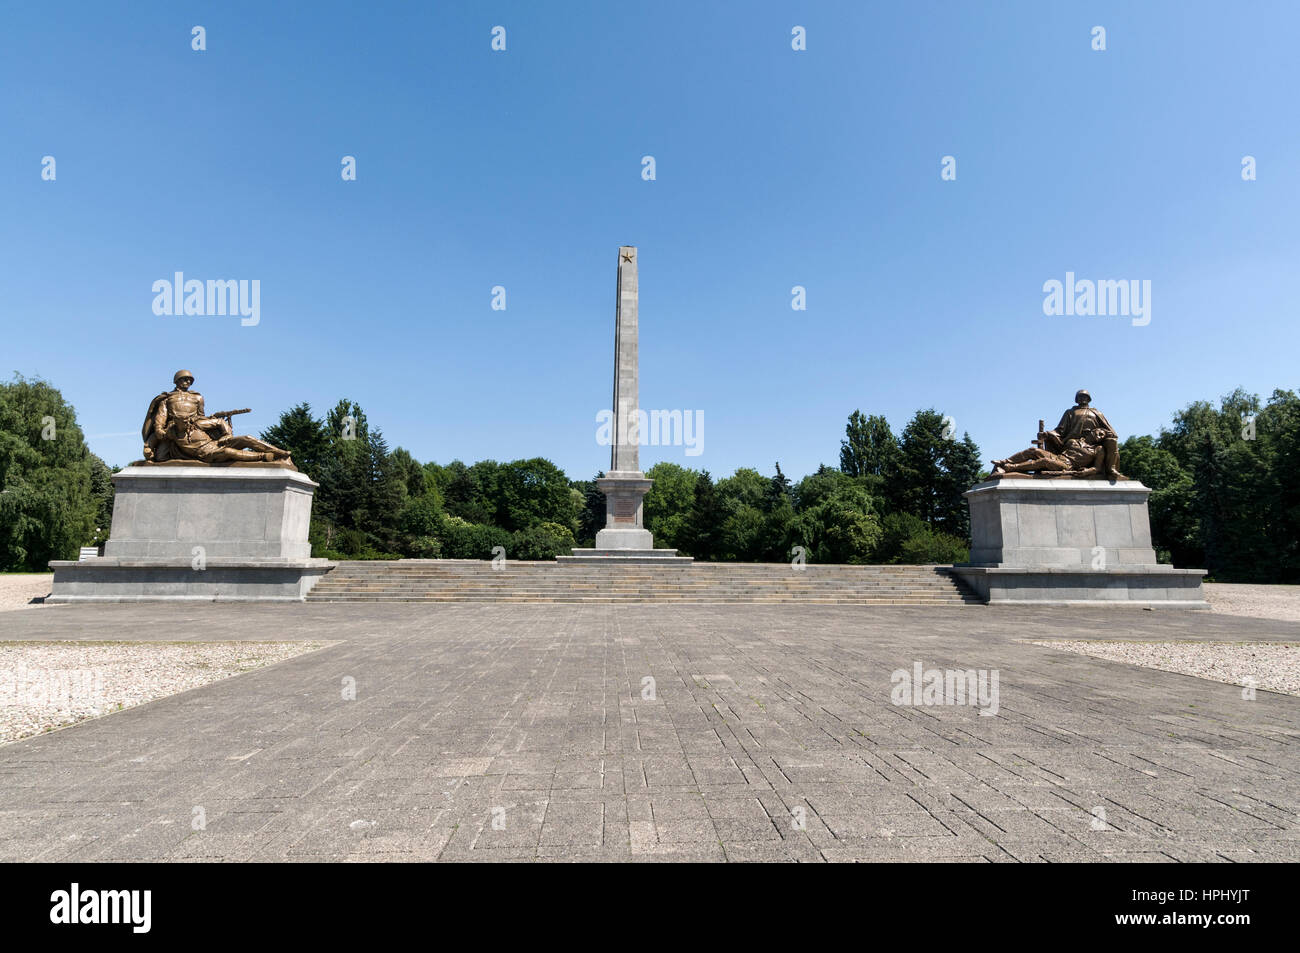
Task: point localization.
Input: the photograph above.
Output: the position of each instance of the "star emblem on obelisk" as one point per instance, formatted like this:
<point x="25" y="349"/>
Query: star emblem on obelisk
<point x="627" y="255"/>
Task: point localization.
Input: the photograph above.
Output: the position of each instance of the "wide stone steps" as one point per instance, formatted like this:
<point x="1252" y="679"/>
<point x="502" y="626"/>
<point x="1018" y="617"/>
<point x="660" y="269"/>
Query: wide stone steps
<point x="474" y="581"/>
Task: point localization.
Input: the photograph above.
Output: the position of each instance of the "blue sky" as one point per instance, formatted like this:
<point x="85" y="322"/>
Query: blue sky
<point x="775" y="168"/>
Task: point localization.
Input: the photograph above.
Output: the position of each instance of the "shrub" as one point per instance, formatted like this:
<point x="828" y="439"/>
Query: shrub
<point x="909" y="539"/>
<point x="464" y="540"/>
<point x="543" y="541"/>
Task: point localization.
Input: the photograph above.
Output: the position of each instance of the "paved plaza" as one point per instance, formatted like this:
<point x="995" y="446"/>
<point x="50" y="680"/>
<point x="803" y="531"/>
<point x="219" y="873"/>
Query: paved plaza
<point x="522" y="732"/>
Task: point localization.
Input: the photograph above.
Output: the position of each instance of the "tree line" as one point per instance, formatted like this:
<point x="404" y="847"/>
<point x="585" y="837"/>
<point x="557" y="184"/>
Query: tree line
<point x="893" y="499"/>
<point x="1225" y="495"/>
<point x="1223" y="498"/>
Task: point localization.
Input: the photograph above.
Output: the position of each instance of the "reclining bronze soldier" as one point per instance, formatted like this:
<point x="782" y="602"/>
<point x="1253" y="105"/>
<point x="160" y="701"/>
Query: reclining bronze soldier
<point x="177" y="428"/>
<point x="1083" y="445"/>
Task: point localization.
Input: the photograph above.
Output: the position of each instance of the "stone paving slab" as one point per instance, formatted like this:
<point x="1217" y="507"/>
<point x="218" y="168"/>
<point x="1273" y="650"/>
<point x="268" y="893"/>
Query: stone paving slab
<point x="525" y="732"/>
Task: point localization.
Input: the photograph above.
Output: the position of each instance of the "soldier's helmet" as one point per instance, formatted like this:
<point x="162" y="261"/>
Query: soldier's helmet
<point x="176" y="378"/>
<point x="1082" y="397"/>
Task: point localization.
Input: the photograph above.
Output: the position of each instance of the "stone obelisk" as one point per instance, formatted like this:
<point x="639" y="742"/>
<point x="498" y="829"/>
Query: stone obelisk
<point x="625" y="537"/>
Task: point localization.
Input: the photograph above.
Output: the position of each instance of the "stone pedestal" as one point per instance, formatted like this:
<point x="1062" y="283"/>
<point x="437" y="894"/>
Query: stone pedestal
<point x="1070" y="542"/>
<point x="624" y="522"/>
<point x="200" y="534"/>
<point x="625" y="538"/>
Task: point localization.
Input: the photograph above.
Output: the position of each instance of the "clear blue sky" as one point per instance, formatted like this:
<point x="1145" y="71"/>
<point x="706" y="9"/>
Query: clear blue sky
<point x="775" y="168"/>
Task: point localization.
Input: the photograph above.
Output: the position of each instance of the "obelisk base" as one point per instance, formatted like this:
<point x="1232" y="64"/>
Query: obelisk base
<point x="625" y="538"/>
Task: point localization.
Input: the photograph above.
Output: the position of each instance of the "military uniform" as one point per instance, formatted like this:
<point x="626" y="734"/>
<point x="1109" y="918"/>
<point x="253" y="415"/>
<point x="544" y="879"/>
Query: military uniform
<point x="1083" y="442"/>
<point x="1076" y="422"/>
<point x="177" y="428"/>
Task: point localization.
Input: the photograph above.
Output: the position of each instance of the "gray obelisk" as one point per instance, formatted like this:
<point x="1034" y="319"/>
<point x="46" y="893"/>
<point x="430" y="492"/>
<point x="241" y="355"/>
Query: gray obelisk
<point x="625" y="443"/>
<point x="625" y="537"/>
<point x="624" y="484"/>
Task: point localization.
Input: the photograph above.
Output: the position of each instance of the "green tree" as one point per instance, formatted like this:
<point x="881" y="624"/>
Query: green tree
<point x="744" y="532"/>
<point x="362" y="489"/>
<point x="465" y="540"/>
<point x="103" y="493"/>
<point x="1202" y="439"/>
<point x="420" y="524"/>
<point x="541" y="541"/>
<point x="1281" y="421"/>
<point x="779" y="531"/>
<point x="667" y="505"/>
<point x="591" y="514"/>
<point x="532" y="491"/>
<point x="745" y="487"/>
<point x="920" y="470"/>
<point x="304" y="436"/>
<point x="960" y="471"/>
<point x="703" y="529"/>
<point x="409" y="472"/>
<point x="1175" y="530"/>
<point x="869" y="447"/>
<point x="471" y="493"/>
<point x="908" y="539"/>
<point x="836" y="520"/>
<point x="48" y="508"/>
<point x="934" y="470"/>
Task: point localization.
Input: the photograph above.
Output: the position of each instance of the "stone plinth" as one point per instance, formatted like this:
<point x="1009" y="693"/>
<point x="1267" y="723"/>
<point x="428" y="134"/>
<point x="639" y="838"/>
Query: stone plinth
<point x="1070" y="542"/>
<point x="624" y="523"/>
<point x="230" y="512"/>
<point x="1058" y="523"/>
<point x="175" y="580"/>
<point x="625" y="538"/>
<point x="200" y="533"/>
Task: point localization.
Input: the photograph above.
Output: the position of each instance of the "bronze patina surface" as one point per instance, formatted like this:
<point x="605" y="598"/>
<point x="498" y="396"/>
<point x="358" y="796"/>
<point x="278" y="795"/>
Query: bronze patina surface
<point x="1083" y="446"/>
<point x="179" y="432"/>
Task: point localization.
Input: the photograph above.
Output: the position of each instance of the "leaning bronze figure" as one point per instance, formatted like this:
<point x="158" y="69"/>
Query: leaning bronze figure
<point x="178" y="430"/>
<point x="1083" y="446"/>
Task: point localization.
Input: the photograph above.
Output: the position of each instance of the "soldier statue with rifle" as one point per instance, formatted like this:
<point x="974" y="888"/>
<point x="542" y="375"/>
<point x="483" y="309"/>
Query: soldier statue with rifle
<point x="1084" y="445"/>
<point x="178" y="429"/>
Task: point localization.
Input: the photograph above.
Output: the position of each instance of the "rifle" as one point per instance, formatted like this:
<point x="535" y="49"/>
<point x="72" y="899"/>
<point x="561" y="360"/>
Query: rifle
<point x="230" y="413"/>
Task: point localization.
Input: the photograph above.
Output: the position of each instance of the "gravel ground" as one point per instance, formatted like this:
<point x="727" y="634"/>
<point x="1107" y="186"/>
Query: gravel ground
<point x="1262" y="602"/>
<point x="17" y="590"/>
<point x="1269" y="666"/>
<point x="47" y="685"/>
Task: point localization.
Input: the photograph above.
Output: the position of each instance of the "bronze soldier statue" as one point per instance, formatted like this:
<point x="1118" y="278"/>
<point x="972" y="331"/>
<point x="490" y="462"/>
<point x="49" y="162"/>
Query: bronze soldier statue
<point x="1075" y="423"/>
<point x="178" y="428"/>
<point x="1083" y="445"/>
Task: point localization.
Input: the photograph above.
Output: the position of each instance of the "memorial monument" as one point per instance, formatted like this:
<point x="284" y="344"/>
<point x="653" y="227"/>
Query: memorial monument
<point x="1046" y="530"/>
<point x="206" y="515"/>
<point x="625" y="538"/>
<point x="177" y="430"/>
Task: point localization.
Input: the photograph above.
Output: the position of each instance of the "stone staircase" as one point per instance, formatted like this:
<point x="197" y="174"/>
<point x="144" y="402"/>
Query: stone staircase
<point x="462" y="581"/>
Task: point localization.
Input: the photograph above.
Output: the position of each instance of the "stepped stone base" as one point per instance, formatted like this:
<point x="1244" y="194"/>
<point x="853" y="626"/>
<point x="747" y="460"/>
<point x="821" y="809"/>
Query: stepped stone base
<point x="1145" y="587"/>
<point x="1070" y="542"/>
<point x="201" y="534"/>
<point x="648" y="557"/>
<point x="607" y="581"/>
<point x="175" y="580"/>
